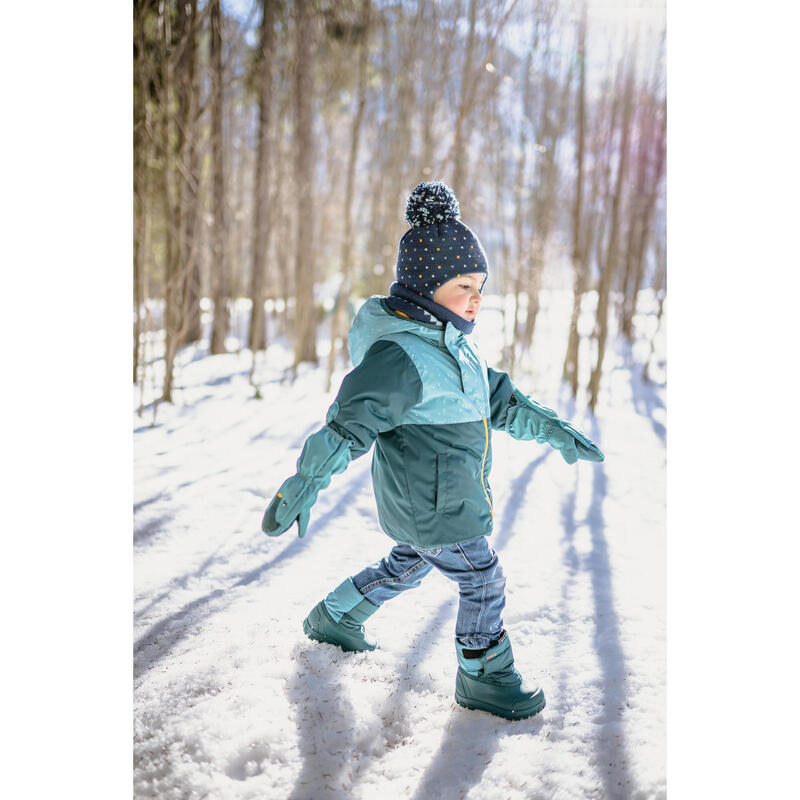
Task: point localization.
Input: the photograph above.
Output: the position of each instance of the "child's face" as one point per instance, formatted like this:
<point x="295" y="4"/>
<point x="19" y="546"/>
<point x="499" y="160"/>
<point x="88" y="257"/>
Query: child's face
<point x="462" y="295"/>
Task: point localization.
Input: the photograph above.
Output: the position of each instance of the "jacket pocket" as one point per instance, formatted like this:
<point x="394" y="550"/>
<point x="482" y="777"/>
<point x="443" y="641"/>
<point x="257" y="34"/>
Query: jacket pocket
<point x="456" y="482"/>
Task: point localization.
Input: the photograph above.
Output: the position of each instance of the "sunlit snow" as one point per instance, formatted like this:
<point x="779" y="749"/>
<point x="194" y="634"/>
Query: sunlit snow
<point x="232" y="701"/>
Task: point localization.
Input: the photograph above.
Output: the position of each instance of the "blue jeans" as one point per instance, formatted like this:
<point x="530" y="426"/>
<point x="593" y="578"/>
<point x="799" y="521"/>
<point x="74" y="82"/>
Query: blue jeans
<point x="473" y="565"/>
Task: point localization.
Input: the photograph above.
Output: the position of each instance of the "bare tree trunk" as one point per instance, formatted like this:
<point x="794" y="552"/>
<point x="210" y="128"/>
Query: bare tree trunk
<point x="607" y="274"/>
<point x="649" y="197"/>
<point x="545" y="200"/>
<point x="343" y="294"/>
<point x="519" y="203"/>
<point x="305" y="310"/>
<point x="459" y="145"/>
<point x="140" y="182"/>
<point x="400" y="143"/>
<point x="441" y="36"/>
<point x="472" y="73"/>
<point x="144" y="140"/>
<point x="171" y="245"/>
<point x="189" y="169"/>
<point x="262" y="227"/>
<point x="636" y="213"/>
<point x="219" y="265"/>
<point x="430" y="100"/>
<point x="281" y="279"/>
<point x="660" y="286"/>
<point x="500" y="144"/>
<point x="570" y="371"/>
<point x="141" y="209"/>
<point x="379" y="247"/>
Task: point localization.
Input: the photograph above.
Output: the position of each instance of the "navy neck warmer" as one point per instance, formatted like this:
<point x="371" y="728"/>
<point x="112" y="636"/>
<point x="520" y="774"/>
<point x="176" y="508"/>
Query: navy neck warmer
<point x="401" y="298"/>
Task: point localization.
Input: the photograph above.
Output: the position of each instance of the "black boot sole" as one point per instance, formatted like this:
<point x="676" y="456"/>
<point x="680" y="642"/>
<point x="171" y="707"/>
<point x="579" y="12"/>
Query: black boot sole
<point x="475" y="705"/>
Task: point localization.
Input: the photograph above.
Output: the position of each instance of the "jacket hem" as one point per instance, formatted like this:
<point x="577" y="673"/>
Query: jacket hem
<point x="432" y="545"/>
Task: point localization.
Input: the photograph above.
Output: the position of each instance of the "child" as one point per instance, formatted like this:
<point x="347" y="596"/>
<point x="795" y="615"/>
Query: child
<point x="421" y="393"/>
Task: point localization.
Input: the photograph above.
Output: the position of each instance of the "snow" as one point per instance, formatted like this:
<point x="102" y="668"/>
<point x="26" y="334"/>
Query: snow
<point x="231" y="700"/>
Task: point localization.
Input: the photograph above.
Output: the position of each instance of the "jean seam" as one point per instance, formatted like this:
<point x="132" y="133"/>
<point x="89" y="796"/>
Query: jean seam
<point x="464" y="555"/>
<point x="393" y="579"/>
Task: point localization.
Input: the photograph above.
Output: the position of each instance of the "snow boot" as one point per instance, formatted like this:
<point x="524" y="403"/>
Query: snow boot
<point x="487" y="681"/>
<point x="339" y="619"/>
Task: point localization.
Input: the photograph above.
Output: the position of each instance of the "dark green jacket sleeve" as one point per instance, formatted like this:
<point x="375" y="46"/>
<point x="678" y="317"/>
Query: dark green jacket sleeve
<point x="372" y="399"/>
<point x="500" y="390"/>
<point x="375" y="396"/>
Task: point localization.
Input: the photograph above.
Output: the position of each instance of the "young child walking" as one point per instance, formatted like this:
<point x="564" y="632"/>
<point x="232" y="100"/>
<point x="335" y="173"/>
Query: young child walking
<point x="421" y="393"/>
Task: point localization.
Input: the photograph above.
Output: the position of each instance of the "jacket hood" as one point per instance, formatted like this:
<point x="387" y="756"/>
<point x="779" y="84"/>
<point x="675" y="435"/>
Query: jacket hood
<point x="373" y="321"/>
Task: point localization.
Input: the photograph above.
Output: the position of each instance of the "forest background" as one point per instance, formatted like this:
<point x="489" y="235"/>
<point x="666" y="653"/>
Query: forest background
<point x="276" y="143"/>
<point x="732" y="180"/>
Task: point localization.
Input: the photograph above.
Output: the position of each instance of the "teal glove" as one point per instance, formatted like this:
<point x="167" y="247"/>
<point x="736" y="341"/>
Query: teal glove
<point x="291" y="504"/>
<point x="527" y="419"/>
<point x="587" y="449"/>
<point x="325" y="453"/>
<point x="562" y="441"/>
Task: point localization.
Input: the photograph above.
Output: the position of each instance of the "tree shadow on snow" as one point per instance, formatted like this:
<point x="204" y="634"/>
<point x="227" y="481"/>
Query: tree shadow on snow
<point x="337" y="509"/>
<point x="169" y="631"/>
<point x="227" y="378"/>
<point x="514" y="501"/>
<point x="319" y="701"/>
<point x="610" y="750"/>
<point x="329" y="753"/>
<point x="645" y="395"/>
<point x="470" y="742"/>
<point x="205" y="477"/>
<point x="181" y="582"/>
<point x="137" y="507"/>
<point x="144" y="533"/>
<point x="646" y="400"/>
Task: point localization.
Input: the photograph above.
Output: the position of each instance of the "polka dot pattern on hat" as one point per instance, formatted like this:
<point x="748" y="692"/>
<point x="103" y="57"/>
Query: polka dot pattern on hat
<point x="443" y="252"/>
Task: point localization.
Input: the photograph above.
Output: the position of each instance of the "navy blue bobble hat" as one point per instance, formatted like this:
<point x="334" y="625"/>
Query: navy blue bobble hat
<point x="437" y="248"/>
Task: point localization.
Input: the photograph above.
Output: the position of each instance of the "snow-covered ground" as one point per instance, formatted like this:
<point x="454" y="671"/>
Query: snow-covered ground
<point x="232" y="701"/>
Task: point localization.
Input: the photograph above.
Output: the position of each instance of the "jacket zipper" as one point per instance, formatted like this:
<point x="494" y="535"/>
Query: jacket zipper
<point x="483" y="467"/>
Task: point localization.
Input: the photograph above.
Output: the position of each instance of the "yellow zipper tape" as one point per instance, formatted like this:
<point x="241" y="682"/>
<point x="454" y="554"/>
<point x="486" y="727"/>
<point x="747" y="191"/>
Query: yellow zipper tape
<point x="483" y="465"/>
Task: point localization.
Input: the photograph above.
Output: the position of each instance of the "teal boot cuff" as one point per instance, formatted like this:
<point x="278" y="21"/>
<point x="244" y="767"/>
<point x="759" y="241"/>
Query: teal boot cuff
<point x="495" y="659"/>
<point x="363" y="611"/>
<point x="346" y="599"/>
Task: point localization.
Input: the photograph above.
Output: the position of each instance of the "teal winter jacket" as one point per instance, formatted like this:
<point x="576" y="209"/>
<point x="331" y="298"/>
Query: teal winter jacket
<point x="427" y="401"/>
